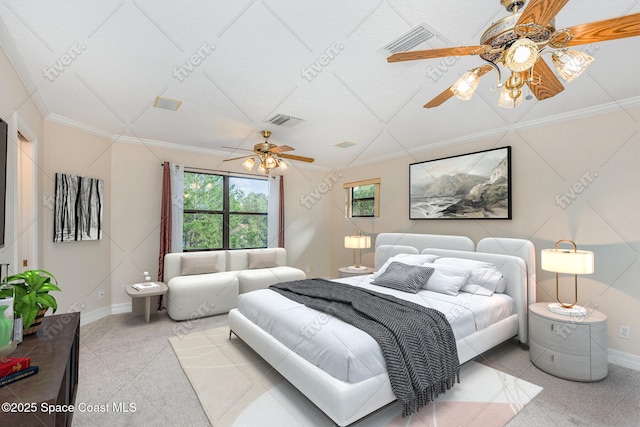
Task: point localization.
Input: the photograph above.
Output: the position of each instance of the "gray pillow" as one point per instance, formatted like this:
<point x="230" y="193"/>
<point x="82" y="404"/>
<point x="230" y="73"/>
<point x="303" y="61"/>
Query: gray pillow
<point x="199" y="264"/>
<point x="262" y="259"/>
<point x="404" y="277"/>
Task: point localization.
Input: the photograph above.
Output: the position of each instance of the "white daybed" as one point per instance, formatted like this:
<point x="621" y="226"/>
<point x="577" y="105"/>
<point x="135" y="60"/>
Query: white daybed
<point x="346" y="402"/>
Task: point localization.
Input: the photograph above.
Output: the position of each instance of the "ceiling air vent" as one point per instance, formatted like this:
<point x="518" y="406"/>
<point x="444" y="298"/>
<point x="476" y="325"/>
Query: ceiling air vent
<point x="167" y="103"/>
<point x="345" y="144"/>
<point x="284" y="120"/>
<point x="412" y="38"/>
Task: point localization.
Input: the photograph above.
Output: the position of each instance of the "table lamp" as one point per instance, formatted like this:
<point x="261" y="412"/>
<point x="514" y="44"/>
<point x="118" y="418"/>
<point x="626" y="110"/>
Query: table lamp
<point x="570" y="262"/>
<point x="357" y="242"/>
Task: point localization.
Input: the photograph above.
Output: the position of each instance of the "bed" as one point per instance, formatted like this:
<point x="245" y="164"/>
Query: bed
<point x="280" y="330"/>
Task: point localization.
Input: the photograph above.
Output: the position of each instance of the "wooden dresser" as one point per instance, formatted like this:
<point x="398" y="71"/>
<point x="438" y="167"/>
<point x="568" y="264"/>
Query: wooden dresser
<point x="55" y="350"/>
<point x="568" y="347"/>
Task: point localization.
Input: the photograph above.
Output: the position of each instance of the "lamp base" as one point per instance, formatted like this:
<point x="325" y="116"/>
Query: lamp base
<point x="575" y="311"/>
<point x="357" y="268"/>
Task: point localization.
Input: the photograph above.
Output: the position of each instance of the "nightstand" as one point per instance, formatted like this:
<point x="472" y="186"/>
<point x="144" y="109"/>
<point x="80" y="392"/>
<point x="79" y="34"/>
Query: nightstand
<point x="568" y="347"/>
<point x="347" y="272"/>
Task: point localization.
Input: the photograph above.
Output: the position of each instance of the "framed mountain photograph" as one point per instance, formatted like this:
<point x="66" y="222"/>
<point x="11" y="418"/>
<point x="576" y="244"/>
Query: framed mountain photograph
<point x="468" y="186"/>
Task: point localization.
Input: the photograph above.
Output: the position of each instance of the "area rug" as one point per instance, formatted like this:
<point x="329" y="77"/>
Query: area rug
<point x="236" y="387"/>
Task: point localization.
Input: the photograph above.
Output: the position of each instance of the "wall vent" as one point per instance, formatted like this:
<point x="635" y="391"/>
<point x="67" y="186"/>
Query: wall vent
<point x="412" y="38"/>
<point x="284" y="120"/>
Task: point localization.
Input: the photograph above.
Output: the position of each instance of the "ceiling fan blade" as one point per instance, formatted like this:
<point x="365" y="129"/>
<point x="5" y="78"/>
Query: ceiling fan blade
<point x="438" y="53"/>
<point x="447" y="93"/>
<point x="294" y="157"/>
<point x="281" y="149"/>
<point x="236" y="158"/>
<point x="541" y="12"/>
<point x="440" y="99"/>
<point x="548" y="85"/>
<point x="236" y="148"/>
<point x="608" y="29"/>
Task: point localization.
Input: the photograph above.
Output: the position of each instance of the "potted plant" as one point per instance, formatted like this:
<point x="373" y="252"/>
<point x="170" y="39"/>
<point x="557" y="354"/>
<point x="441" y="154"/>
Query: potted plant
<point x="32" y="299"/>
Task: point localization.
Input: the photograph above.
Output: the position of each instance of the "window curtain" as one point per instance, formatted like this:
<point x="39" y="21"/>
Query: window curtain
<point x="170" y="215"/>
<point x="275" y="232"/>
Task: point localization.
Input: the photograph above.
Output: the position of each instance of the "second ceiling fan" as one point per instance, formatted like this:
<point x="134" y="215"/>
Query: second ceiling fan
<point x="518" y="41"/>
<point x="268" y="155"/>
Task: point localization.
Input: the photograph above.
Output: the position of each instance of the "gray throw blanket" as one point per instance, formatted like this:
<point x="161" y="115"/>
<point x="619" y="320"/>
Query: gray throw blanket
<point x="417" y="342"/>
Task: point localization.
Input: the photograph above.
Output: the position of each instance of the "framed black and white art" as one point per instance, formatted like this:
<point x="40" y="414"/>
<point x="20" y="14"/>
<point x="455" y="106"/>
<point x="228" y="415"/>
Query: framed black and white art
<point x="78" y="208"/>
<point x="468" y="186"/>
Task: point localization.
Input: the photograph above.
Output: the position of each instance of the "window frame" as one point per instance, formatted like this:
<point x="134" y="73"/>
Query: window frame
<point x="225" y="211"/>
<point x="350" y="200"/>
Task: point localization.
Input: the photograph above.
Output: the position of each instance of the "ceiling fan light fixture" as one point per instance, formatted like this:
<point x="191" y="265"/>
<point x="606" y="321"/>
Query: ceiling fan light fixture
<point x="466" y="85"/>
<point x="570" y="63"/>
<point x="262" y="168"/>
<point x="510" y="98"/>
<point x="248" y="164"/>
<point x="270" y="162"/>
<point x="521" y="55"/>
<point x="282" y="164"/>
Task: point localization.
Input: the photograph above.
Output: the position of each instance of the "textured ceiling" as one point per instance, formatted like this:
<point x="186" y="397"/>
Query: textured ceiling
<point x="235" y="64"/>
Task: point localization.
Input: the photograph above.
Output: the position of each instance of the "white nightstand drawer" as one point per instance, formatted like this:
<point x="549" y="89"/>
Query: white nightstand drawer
<point x="568" y="347"/>
<point x="567" y="337"/>
<point x="571" y="366"/>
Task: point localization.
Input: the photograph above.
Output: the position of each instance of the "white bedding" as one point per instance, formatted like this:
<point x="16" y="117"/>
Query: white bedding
<point x="346" y="352"/>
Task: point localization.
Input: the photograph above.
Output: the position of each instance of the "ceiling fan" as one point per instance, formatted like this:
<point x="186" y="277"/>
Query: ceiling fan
<point x="518" y="41"/>
<point x="270" y="156"/>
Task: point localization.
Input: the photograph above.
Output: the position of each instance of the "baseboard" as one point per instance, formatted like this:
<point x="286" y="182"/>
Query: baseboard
<point x="626" y="360"/>
<point x="93" y="315"/>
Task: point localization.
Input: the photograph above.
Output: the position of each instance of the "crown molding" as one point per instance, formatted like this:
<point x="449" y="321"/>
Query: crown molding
<point x="64" y="121"/>
<point x="558" y="118"/>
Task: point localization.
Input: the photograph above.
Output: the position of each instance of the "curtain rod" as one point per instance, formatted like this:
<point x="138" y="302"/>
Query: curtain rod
<point x="225" y="172"/>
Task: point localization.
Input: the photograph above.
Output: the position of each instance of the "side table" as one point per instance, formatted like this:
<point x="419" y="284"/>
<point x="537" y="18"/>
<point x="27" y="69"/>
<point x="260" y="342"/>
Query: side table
<point x="347" y="272"/>
<point x="568" y="347"/>
<point x="134" y="292"/>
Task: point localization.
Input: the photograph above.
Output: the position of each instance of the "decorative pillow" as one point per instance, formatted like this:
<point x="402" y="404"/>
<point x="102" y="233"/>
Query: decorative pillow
<point x="262" y="259"/>
<point x="409" y="259"/>
<point x="199" y="264"/>
<point x="403" y="277"/>
<point x="446" y="279"/>
<point x="484" y="279"/>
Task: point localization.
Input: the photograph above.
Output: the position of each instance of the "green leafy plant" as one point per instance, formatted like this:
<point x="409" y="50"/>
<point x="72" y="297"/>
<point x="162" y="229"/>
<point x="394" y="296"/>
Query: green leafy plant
<point x="32" y="289"/>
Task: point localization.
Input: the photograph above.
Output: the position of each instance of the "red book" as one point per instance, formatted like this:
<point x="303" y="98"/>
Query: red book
<point x="11" y="365"/>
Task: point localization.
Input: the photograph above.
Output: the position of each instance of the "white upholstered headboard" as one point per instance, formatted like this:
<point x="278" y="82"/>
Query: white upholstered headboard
<point x="390" y="244"/>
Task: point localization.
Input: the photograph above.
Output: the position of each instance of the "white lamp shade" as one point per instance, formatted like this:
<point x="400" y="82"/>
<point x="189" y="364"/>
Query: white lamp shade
<point x="357" y="242"/>
<point x="567" y="261"/>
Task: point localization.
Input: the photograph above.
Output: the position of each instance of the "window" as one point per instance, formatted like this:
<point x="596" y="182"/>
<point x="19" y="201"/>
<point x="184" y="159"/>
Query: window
<point x="363" y="198"/>
<point x="224" y="212"/>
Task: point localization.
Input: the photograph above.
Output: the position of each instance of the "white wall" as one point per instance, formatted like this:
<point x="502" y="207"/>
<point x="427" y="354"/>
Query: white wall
<point x="575" y="180"/>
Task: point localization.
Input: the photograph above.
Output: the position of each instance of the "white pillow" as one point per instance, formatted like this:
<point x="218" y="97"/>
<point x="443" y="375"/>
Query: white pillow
<point x="485" y="279"/>
<point x="446" y="279"/>
<point x="409" y="259"/>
